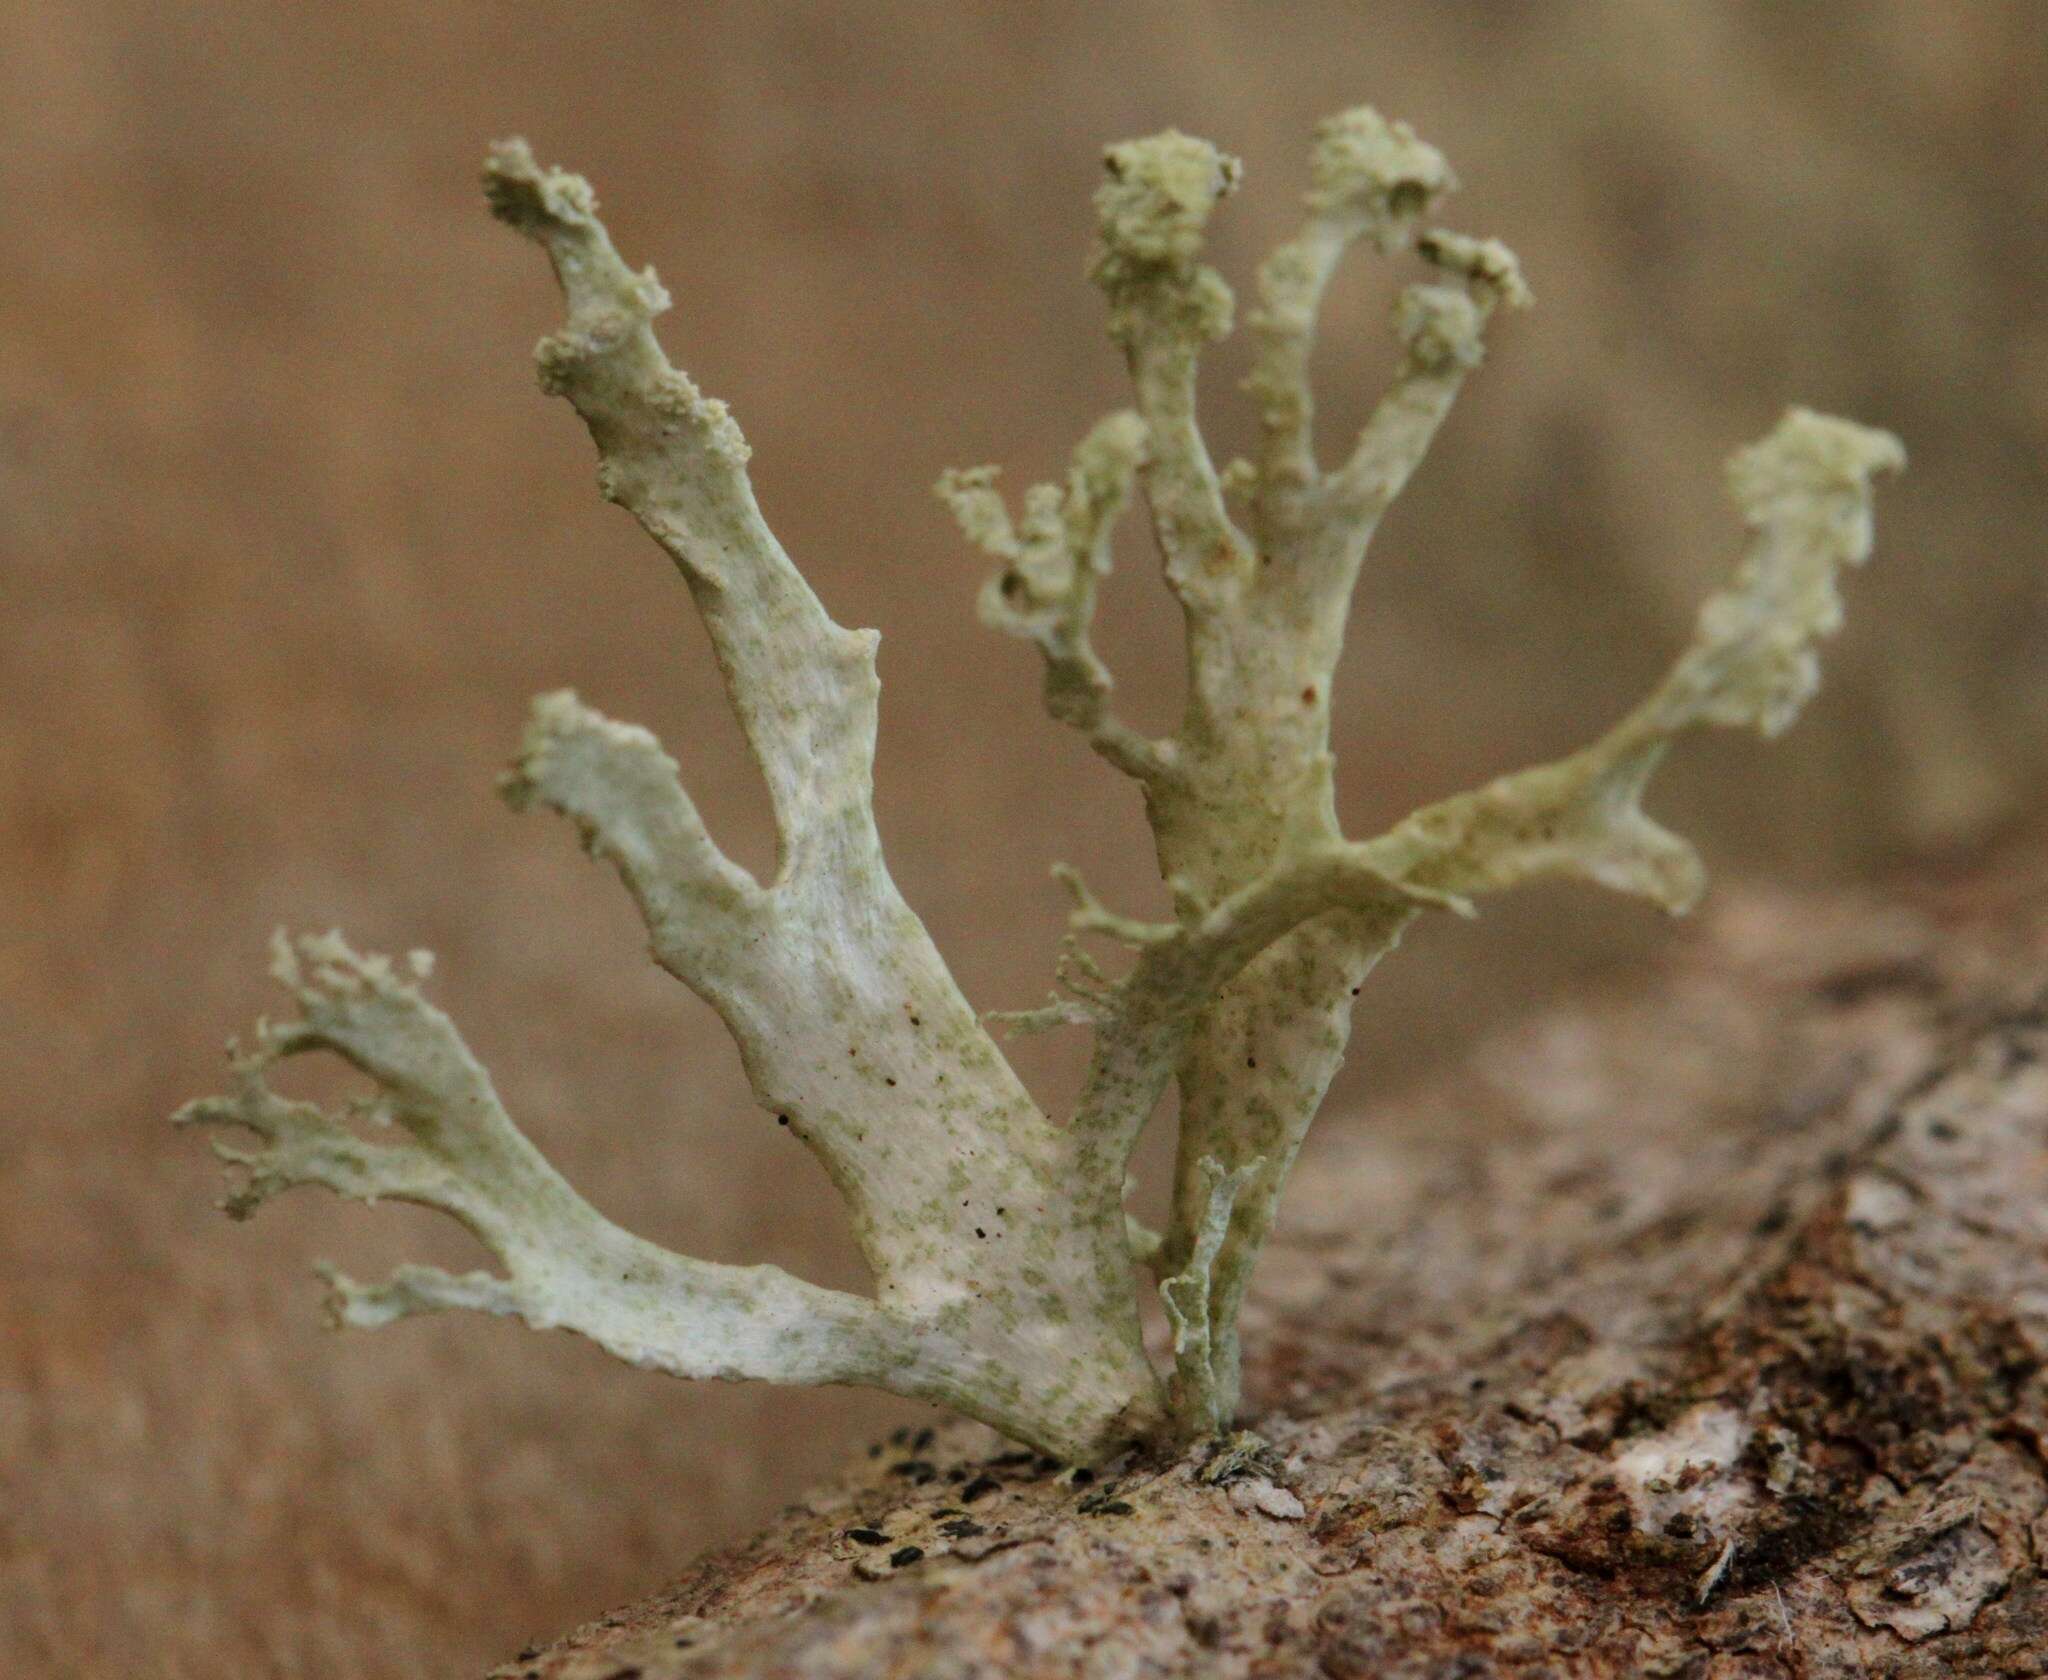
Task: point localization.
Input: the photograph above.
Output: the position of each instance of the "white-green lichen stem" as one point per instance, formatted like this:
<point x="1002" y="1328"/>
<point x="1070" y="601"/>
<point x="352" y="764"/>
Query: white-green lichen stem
<point x="1201" y="1407"/>
<point x="1006" y="1267"/>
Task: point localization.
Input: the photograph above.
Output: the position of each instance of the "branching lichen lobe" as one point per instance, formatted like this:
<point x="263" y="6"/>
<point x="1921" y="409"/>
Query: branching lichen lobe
<point x="1006" y="1268"/>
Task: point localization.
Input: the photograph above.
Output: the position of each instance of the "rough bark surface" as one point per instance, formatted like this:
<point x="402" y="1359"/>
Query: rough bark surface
<point x="1699" y="1331"/>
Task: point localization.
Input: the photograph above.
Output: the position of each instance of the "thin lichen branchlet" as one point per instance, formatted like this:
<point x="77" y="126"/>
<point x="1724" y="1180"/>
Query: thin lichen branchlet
<point x="1006" y="1268"/>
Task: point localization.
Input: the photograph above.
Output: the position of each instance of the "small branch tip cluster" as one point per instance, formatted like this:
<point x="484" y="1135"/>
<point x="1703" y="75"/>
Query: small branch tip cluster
<point x="1006" y="1266"/>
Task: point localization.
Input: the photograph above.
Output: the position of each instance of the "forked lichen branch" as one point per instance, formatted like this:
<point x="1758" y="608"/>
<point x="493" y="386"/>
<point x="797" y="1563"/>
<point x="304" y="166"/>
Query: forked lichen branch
<point x="1007" y="1270"/>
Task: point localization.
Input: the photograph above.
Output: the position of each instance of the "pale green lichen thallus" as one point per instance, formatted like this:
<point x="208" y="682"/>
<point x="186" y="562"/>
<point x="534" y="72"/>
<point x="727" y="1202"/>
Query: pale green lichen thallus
<point x="1007" y="1271"/>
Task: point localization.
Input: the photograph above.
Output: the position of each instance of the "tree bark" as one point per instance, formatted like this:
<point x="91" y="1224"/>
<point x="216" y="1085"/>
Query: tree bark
<point x="1698" y="1330"/>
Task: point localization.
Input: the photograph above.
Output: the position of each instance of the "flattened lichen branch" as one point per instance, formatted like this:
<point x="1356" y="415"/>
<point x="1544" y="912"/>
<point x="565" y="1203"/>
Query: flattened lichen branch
<point x="1053" y="560"/>
<point x="1165" y="305"/>
<point x="1804" y="492"/>
<point x="1442" y="332"/>
<point x="1004" y="1261"/>
<point x="436" y="1134"/>
<point x="1372" y="180"/>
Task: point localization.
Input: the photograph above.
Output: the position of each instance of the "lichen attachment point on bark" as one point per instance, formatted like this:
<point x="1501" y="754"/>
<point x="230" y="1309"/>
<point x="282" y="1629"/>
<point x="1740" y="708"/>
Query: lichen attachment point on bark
<point x="1242" y="996"/>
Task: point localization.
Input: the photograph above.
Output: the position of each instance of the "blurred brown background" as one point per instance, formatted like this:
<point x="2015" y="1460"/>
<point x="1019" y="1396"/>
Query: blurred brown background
<point x="287" y="537"/>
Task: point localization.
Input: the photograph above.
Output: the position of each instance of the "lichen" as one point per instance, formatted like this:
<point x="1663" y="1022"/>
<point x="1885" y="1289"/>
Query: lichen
<point x="1007" y="1270"/>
